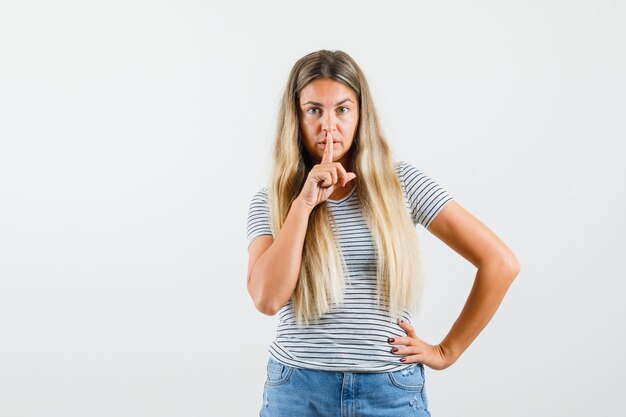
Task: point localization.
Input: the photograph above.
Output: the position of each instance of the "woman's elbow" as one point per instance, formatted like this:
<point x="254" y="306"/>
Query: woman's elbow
<point x="511" y="265"/>
<point x="261" y="303"/>
<point x="266" y="308"/>
<point x="504" y="265"/>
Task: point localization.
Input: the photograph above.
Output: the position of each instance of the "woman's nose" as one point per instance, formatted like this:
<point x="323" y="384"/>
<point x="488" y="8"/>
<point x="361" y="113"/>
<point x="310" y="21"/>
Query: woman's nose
<point x="329" y="123"/>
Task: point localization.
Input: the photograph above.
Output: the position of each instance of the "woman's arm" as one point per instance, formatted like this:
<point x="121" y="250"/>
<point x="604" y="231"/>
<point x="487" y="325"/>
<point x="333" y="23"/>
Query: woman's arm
<point x="497" y="267"/>
<point x="274" y="265"/>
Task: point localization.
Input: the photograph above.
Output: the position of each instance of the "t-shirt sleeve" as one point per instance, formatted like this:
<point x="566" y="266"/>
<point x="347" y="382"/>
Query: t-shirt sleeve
<point x="425" y="195"/>
<point x="258" y="222"/>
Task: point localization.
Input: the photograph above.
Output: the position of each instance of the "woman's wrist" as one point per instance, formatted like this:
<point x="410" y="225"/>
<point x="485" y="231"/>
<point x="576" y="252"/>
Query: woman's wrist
<point x="300" y="204"/>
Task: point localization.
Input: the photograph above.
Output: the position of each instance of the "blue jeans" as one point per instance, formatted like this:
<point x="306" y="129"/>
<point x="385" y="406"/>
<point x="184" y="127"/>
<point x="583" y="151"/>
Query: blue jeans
<point x="298" y="392"/>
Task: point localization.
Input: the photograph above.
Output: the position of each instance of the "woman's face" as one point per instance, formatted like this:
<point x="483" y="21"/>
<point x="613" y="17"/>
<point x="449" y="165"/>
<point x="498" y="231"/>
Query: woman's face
<point x="328" y="105"/>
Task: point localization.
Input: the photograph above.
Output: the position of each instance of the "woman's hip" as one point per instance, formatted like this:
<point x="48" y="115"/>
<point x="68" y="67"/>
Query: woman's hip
<point x="291" y="391"/>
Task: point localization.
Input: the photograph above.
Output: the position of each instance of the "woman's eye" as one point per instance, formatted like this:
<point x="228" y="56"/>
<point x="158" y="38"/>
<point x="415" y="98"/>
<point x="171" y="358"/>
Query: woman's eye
<point x="315" y="110"/>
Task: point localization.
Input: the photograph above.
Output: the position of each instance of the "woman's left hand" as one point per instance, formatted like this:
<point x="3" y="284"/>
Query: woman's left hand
<point x="434" y="356"/>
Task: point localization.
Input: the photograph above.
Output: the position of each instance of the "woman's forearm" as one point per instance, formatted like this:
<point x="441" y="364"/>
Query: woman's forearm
<point x="275" y="274"/>
<point x="490" y="285"/>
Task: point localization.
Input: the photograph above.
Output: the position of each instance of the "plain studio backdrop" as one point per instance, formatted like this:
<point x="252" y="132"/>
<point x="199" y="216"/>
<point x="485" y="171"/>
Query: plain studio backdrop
<point x="134" y="134"/>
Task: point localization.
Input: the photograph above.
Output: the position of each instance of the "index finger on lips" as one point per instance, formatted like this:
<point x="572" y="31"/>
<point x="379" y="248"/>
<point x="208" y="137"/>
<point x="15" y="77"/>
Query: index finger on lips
<point x="328" y="150"/>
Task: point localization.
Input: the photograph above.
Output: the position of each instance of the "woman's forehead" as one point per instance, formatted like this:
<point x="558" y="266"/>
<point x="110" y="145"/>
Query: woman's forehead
<point x="328" y="92"/>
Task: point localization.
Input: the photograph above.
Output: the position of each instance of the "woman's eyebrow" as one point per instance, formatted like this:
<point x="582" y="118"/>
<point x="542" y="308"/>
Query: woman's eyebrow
<point x="315" y="103"/>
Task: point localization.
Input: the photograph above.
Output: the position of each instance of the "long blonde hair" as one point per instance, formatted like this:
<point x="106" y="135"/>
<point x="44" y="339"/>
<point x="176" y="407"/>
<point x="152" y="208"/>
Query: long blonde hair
<point x="323" y="271"/>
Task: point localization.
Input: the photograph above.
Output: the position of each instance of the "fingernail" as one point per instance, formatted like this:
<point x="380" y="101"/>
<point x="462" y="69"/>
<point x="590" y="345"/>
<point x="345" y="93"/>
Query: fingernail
<point x="402" y="359"/>
<point x="400" y="321"/>
<point x="394" y="349"/>
<point x="390" y="340"/>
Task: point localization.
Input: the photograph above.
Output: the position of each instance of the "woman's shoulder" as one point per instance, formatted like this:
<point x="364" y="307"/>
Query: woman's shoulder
<point x="264" y="190"/>
<point x="407" y="169"/>
<point x="261" y="195"/>
<point x="402" y="167"/>
<point x="403" y="164"/>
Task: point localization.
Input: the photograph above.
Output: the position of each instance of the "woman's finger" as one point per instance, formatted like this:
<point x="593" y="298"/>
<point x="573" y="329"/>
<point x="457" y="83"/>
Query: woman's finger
<point x="328" y="150"/>
<point x="333" y="173"/>
<point x="407" y="350"/>
<point x="343" y="174"/>
<point x="407" y="327"/>
<point x="328" y="179"/>
<point x="413" y="358"/>
<point x="401" y="340"/>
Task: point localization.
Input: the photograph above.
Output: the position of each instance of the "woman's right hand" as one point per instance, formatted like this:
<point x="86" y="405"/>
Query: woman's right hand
<point x="324" y="178"/>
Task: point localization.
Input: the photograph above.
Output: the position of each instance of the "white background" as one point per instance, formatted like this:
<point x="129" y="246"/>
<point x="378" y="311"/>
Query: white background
<point x="133" y="135"/>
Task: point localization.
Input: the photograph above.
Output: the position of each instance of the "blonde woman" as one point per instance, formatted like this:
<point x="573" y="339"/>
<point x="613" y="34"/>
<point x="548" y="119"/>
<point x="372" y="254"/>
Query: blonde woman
<point x="333" y="251"/>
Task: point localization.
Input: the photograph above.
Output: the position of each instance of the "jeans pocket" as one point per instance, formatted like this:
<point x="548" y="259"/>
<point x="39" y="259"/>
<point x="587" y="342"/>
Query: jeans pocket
<point x="277" y="372"/>
<point x="424" y="395"/>
<point x="410" y="379"/>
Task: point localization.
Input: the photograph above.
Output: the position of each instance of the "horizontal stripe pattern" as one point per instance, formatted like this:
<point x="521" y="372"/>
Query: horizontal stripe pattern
<point x="352" y="337"/>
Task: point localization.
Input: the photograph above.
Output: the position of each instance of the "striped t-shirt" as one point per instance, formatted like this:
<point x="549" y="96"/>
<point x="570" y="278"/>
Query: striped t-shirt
<point x="351" y="337"/>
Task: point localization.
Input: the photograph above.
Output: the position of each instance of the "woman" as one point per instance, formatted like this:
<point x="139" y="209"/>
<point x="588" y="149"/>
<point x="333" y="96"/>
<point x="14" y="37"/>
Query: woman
<point x="333" y="250"/>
